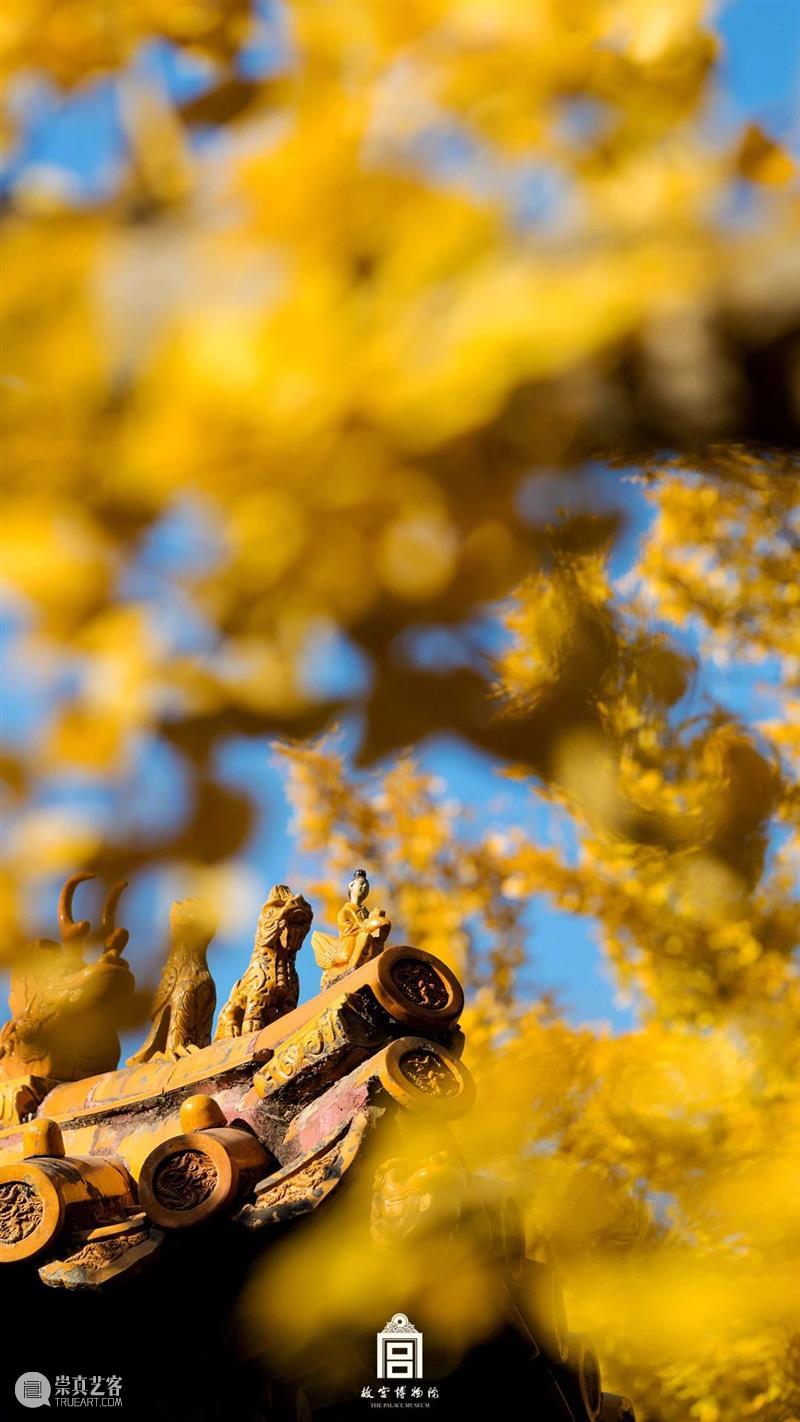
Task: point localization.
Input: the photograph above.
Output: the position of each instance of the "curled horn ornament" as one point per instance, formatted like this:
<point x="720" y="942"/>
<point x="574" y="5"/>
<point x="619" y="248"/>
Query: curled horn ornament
<point x="114" y="938"/>
<point x="70" y="930"/>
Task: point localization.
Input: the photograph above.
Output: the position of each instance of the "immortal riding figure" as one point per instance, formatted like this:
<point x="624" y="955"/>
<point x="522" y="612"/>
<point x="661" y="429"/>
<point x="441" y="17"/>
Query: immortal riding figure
<point x="362" y="934"/>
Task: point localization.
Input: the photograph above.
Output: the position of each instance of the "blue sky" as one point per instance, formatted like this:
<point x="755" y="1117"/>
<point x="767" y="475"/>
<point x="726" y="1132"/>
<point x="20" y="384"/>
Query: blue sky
<point x="761" y="65"/>
<point x="82" y="139"/>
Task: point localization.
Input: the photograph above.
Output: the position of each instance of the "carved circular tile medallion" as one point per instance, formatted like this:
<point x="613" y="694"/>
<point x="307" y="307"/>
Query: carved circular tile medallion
<point x="31" y="1209"/>
<point x="429" y="1072"/>
<point x="420" y="983"/>
<point x="184" y="1180"/>
<point x="415" y="988"/>
<point x="21" y="1211"/>
<point x="421" y="1075"/>
<point x="188" y="1178"/>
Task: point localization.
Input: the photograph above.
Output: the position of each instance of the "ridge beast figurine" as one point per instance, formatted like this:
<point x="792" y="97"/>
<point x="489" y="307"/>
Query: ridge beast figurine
<point x="270" y="986"/>
<point x="183" y="1007"/>
<point x="65" y="1012"/>
<point x="135" y="1181"/>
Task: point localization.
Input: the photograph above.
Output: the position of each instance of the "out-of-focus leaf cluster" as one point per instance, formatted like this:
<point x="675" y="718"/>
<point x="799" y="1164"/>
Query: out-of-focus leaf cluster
<point x="352" y="319"/>
<point x="662" y="1162"/>
<point x="70" y="44"/>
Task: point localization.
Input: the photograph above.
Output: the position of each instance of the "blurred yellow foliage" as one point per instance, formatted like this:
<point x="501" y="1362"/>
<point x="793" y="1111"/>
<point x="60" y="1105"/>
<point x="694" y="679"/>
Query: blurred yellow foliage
<point x="71" y="43"/>
<point x="662" y="1163"/>
<point x="429" y="262"/>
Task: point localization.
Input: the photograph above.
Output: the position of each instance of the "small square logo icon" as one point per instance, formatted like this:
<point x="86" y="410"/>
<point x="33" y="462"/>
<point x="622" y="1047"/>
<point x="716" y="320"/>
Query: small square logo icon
<point x="400" y="1349"/>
